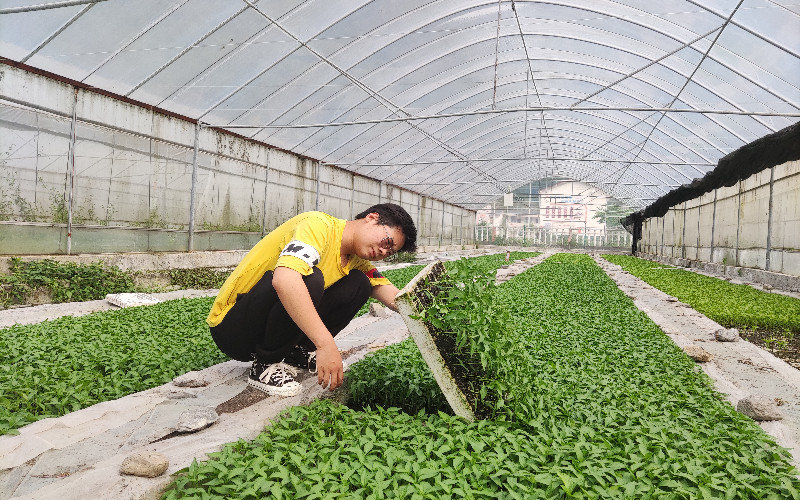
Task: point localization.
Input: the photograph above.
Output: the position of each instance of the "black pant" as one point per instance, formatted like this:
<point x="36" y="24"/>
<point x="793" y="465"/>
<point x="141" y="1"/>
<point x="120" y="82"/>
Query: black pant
<point x="258" y="324"/>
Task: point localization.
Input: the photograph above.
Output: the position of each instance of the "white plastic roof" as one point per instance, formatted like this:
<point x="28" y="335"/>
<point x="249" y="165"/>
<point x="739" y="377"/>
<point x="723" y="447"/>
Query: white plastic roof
<point x="461" y="100"/>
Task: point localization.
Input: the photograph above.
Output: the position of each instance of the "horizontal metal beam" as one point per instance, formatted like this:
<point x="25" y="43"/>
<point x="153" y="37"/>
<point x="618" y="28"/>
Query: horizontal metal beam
<point x="522" y="110"/>
<point x="513" y="181"/>
<point x="557" y="158"/>
<point x="45" y="6"/>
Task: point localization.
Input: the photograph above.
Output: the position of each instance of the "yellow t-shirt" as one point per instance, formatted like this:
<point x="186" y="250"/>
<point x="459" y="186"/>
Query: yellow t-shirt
<point x="302" y="242"/>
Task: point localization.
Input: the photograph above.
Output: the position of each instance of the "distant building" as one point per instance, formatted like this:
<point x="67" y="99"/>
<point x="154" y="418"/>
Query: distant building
<point x="557" y="207"/>
<point x="572" y="205"/>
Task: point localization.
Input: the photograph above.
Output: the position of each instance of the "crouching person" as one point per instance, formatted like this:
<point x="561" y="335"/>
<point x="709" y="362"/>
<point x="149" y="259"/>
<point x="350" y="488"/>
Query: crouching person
<point x="300" y="286"/>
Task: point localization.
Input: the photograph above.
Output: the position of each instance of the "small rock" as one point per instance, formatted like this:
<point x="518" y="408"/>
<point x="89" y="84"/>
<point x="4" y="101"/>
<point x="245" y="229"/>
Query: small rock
<point x="377" y="310"/>
<point x="727" y="335"/>
<point x="144" y="464"/>
<point x="190" y="379"/>
<point x="759" y="407"/>
<point x="697" y="353"/>
<point x="766" y="286"/>
<point x="196" y="419"/>
<point x="672" y="299"/>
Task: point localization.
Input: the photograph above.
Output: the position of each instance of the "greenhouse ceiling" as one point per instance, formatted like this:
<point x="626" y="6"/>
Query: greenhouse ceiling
<point x="459" y="100"/>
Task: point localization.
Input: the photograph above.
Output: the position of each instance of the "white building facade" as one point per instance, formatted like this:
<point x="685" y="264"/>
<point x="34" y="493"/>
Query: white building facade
<point x="565" y="215"/>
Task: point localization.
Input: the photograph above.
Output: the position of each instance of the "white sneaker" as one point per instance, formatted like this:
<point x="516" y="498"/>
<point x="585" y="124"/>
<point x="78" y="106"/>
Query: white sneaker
<point x="276" y="379"/>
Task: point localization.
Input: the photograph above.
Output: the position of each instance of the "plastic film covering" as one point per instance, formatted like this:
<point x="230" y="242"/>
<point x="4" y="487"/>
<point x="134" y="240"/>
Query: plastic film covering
<point x="457" y="100"/>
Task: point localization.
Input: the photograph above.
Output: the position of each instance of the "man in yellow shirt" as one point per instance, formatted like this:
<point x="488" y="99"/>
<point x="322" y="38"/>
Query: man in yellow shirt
<point x="300" y="286"/>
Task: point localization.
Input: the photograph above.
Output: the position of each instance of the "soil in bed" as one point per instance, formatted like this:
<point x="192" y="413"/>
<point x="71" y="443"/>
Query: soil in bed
<point x="785" y="346"/>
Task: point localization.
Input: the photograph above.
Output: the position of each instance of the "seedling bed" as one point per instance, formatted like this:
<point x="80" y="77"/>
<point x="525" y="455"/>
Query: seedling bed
<point x="769" y="320"/>
<point x="601" y="404"/>
<point x="782" y="345"/>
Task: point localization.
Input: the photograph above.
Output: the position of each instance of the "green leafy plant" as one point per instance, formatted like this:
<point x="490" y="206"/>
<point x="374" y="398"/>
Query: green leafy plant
<point x="56" y="367"/>
<point x="395" y="376"/>
<point x="401" y="257"/>
<point x="485" y="263"/>
<point x="65" y="282"/>
<point x="199" y="278"/>
<point x="329" y="451"/>
<point x="467" y="325"/>
<point x="729" y="304"/>
<point x="613" y="407"/>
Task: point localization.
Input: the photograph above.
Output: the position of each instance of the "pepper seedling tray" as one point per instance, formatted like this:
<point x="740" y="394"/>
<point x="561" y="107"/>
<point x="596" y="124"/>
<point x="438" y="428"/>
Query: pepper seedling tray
<point x="409" y="303"/>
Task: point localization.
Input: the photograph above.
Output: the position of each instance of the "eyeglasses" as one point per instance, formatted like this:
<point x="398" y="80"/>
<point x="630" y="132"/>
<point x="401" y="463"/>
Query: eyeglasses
<point x="388" y="243"/>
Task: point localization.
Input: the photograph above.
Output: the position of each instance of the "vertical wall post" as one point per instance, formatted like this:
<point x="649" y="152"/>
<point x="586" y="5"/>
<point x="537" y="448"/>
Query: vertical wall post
<point x="352" y="193"/>
<point x="441" y="231"/>
<point x="491" y="224"/>
<point x="193" y="189"/>
<point x="683" y="238"/>
<point x="419" y="217"/>
<point x="697" y="247"/>
<point x="769" y="218"/>
<point x="266" y="197"/>
<point x="672" y="247"/>
<point x="71" y="171"/>
<point x="713" y="226"/>
<point x="738" y="221"/>
<point x="319" y="175"/>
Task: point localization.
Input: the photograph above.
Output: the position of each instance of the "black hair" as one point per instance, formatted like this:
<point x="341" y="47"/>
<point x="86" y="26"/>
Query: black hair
<point x="393" y="215"/>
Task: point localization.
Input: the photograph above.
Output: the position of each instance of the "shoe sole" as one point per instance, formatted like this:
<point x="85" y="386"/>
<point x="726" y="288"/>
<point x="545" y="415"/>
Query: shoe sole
<point x="285" y="391"/>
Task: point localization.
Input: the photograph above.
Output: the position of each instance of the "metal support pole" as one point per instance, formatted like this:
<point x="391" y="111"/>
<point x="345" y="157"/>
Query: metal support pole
<point x="769" y="218"/>
<point x="193" y="190"/>
<point x="71" y="171"/>
<point x="266" y="197"/>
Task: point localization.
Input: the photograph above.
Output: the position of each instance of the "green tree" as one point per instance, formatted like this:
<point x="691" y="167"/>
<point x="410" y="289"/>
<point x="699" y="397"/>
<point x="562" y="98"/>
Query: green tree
<point x="612" y="213"/>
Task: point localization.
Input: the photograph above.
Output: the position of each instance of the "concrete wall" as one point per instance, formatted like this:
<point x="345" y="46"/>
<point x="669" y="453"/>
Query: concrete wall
<point x="130" y="186"/>
<point x="753" y="225"/>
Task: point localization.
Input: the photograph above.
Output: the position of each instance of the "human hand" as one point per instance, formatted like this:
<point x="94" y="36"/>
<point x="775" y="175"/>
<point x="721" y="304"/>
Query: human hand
<point x="330" y="372"/>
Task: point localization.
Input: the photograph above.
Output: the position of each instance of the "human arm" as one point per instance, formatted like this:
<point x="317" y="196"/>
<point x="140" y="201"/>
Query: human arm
<point x="386" y="295"/>
<point x="294" y="296"/>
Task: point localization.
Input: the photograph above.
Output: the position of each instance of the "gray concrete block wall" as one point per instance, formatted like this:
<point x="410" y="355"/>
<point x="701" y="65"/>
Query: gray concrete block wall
<point x="707" y="214"/>
<point x="691" y="240"/>
<point x="785" y="235"/>
<point x="753" y="225"/>
<point x="133" y="175"/>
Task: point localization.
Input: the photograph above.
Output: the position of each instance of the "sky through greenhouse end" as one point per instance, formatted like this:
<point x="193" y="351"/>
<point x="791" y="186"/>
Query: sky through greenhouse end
<point x="458" y="100"/>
